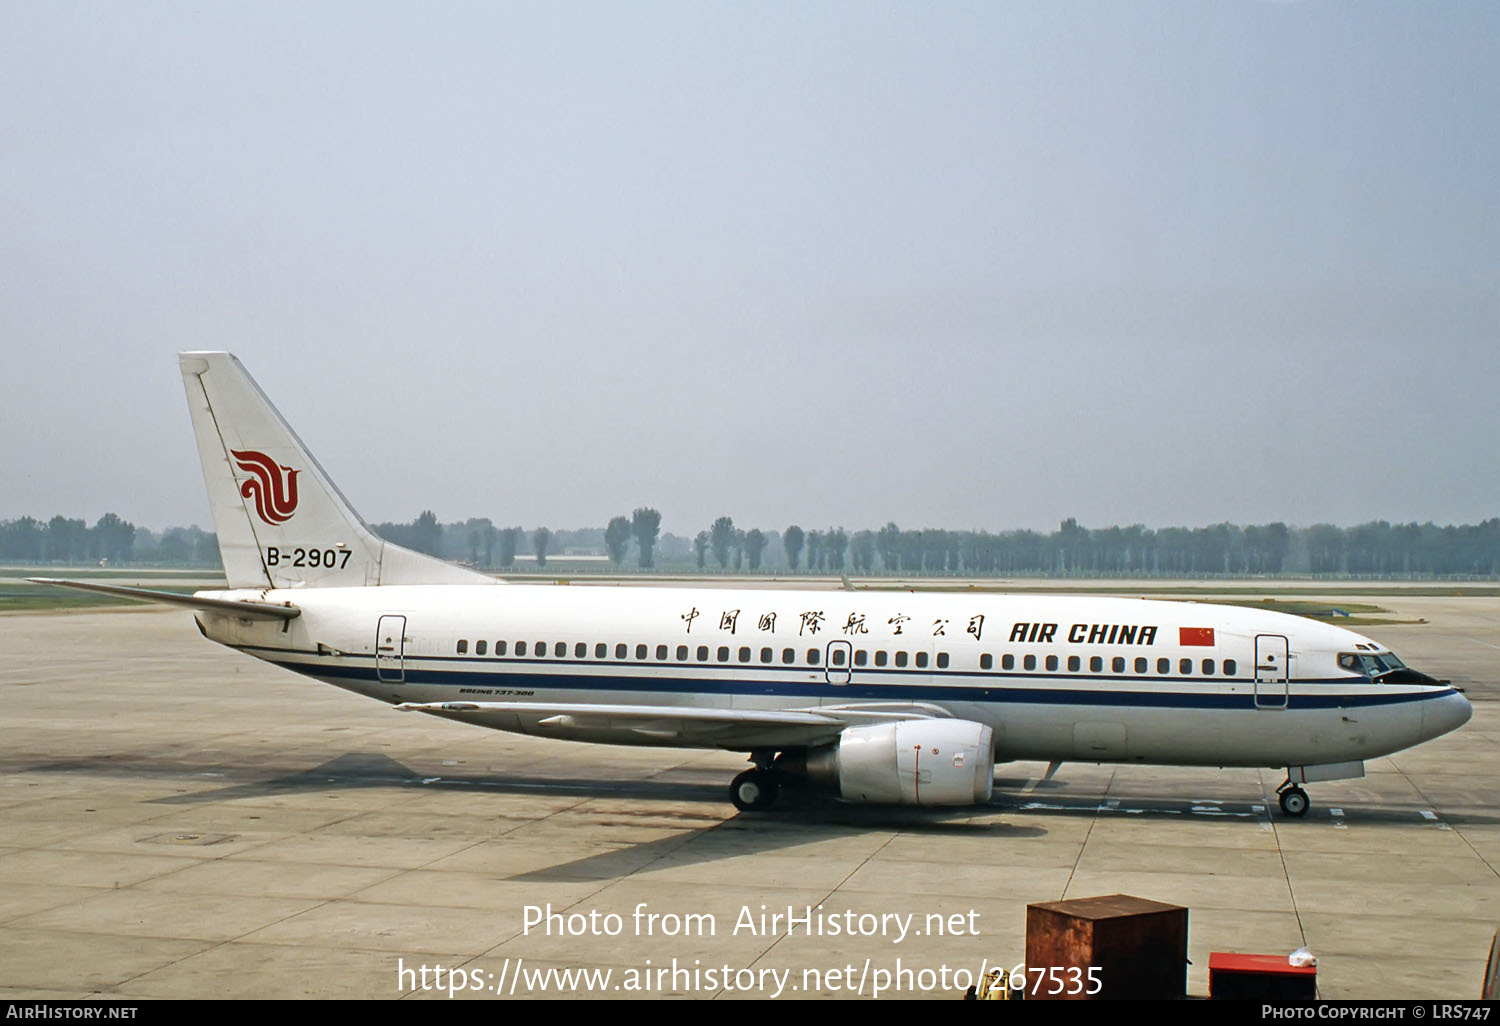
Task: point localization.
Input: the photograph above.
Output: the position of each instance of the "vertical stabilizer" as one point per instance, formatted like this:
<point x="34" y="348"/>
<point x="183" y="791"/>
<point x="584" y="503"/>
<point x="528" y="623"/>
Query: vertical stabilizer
<point x="281" y="522"/>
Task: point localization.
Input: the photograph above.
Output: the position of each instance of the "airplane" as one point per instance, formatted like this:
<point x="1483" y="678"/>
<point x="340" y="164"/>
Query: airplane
<point x="888" y="697"/>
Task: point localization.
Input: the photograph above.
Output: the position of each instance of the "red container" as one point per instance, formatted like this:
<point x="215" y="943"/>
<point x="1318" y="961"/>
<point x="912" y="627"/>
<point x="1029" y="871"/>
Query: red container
<point x="1237" y="977"/>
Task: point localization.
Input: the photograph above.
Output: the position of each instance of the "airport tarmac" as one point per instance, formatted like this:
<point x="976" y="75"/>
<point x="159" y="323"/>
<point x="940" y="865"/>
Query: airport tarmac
<point x="177" y="820"/>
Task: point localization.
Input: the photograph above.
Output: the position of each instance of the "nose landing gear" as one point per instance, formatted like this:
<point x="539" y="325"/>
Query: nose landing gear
<point x="1294" y="801"/>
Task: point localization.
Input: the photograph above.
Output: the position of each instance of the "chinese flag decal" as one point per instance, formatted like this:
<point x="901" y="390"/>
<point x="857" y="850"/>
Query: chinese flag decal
<point x="1195" y="636"/>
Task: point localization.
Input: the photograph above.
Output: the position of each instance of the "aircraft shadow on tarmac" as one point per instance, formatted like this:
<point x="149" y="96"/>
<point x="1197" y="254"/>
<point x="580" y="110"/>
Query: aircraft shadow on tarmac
<point x="799" y="818"/>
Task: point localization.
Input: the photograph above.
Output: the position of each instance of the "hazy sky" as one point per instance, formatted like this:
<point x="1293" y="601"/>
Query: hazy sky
<point x="961" y="265"/>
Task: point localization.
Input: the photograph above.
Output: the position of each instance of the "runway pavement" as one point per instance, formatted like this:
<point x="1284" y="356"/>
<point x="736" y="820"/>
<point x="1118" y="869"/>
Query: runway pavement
<point x="177" y="820"/>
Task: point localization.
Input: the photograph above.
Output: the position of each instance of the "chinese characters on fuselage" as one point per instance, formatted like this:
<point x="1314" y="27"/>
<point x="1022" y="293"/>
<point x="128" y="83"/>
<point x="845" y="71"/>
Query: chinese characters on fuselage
<point x="1028" y="632"/>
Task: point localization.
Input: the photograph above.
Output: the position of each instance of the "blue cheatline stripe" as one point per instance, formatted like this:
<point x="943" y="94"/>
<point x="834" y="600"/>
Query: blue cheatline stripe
<point x="487" y="663"/>
<point x="821" y="689"/>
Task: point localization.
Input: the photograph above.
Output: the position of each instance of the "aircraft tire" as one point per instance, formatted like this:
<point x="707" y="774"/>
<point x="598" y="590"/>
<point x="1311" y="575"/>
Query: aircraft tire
<point x="1294" y="802"/>
<point x="754" y="791"/>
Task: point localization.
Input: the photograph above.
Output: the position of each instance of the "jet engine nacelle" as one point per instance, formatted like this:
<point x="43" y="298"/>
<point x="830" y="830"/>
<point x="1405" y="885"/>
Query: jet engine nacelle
<point x="910" y="762"/>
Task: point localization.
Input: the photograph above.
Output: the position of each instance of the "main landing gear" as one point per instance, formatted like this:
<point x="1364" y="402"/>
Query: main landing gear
<point x="755" y="790"/>
<point x="1293" y="799"/>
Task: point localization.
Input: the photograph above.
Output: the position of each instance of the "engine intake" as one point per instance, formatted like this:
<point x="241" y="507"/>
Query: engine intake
<point x="909" y="762"/>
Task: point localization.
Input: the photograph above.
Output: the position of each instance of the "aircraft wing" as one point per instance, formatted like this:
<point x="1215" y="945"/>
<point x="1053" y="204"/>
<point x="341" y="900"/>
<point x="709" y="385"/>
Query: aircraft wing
<point x="680" y="724"/>
<point x="667" y="723"/>
<point x="249" y="609"/>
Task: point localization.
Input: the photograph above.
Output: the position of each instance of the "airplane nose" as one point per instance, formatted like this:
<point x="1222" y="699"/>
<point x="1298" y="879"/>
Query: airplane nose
<point x="1444" y="713"/>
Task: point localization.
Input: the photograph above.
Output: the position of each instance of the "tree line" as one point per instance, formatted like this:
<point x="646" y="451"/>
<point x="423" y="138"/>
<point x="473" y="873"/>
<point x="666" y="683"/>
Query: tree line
<point x="111" y="540"/>
<point x="480" y="543"/>
<point x="1378" y="548"/>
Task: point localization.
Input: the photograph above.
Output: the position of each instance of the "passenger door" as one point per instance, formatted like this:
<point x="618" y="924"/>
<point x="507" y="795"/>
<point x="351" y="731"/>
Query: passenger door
<point x="1271" y="671"/>
<point x="390" y="650"/>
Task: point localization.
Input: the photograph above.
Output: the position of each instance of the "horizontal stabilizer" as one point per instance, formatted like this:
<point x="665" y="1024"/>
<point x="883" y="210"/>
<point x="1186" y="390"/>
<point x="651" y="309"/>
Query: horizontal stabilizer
<point x="247" y="608"/>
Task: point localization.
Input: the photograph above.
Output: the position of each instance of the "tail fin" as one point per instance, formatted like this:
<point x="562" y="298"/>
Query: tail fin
<point x="280" y="520"/>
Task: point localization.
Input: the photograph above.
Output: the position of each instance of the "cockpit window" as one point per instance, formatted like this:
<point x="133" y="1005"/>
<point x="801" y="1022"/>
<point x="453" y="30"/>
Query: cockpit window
<point x="1370" y="664"/>
<point x="1383" y="668"/>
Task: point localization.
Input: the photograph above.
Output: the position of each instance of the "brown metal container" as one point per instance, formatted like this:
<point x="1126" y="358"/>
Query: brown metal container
<point x="1137" y="947"/>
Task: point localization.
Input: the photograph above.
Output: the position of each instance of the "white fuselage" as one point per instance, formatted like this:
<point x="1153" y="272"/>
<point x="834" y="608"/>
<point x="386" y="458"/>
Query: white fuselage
<point x="1056" y="678"/>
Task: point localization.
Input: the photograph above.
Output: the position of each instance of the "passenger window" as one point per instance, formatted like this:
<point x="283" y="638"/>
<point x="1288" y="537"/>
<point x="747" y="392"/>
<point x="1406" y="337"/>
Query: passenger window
<point x="1117" y="664"/>
<point x="836" y="657"/>
<point x="682" y="653"/>
<point x="1052" y="664"/>
<point x="580" y="650"/>
<point x="1074" y="664"/>
<point x="520" y="648"/>
<point x="1185" y="667"/>
<point x="661" y="653"/>
<point x="463" y="647"/>
<point x="880" y="658"/>
<point x="901" y="658"/>
<point x="601" y="650"/>
<point x="703" y="653"/>
<point x="744" y="654"/>
<point x="789" y="656"/>
<point x="942" y="660"/>
<point x="560" y="650"/>
<point x="861" y="657"/>
<point x="620" y="650"/>
<point x="640" y="651"/>
<point x="1140" y="664"/>
<point x="1164" y="666"/>
<point x="986" y="661"/>
<point x="812" y="657"/>
<point x="723" y="653"/>
<point x="766" y="655"/>
<point x="1208" y="667"/>
<point x="539" y="650"/>
<point x="921" y="659"/>
<point x="499" y="648"/>
<point x="480" y="647"/>
<point x="1096" y="664"/>
<point x="1229" y="667"/>
<point x="1029" y="662"/>
<point x="1007" y="662"/>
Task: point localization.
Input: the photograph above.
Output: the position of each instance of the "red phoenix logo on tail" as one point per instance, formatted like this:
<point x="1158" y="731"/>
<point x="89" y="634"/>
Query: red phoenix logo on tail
<point x="275" y="496"/>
